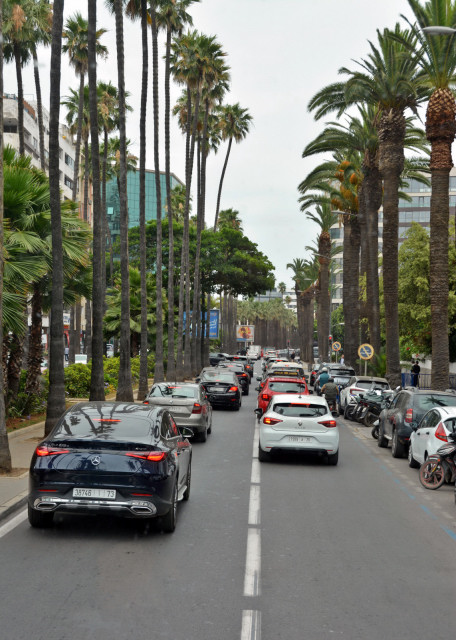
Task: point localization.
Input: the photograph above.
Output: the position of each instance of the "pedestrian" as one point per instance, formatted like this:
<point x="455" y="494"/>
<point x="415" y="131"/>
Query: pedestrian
<point x="415" y="371"/>
<point x="292" y="355"/>
<point x="67" y="353"/>
<point x="342" y="359"/>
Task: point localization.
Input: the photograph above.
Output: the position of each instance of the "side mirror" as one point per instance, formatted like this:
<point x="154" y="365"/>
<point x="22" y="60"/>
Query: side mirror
<point x="197" y="379"/>
<point x="257" y="388"/>
<point x="259" y="412"/>
<point x="311" y="391"/>
<point x="258" y="378"/>
<point x="414" y="426"/>
<point x="186" y="432"/>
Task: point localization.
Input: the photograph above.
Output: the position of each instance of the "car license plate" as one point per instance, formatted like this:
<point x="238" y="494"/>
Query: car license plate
<point x="216" y="390"/>
<point x="178" y="410"/>
<point x="107" y="494"/>
<point x="300" y="439"/>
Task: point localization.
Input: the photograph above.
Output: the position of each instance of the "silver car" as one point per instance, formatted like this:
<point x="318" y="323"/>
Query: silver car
<point x="187" y="403"/>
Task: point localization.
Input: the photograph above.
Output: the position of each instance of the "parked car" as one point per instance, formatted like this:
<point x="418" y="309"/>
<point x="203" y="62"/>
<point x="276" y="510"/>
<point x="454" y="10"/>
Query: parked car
<point x="358" y="384"/>
<point x="298" y="424"/>
<point x="222" y="387"/>
<point x="278" y="385"/>
<point x="106" y="457"/>
<point x="430" y="434"/>
<point x="187" y="403"/>
<point x="408" y="407"/>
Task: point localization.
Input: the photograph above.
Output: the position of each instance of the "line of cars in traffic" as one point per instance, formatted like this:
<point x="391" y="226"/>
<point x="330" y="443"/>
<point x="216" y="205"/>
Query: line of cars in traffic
<point x="290" y="417"/>
<point x="127" y="459"/>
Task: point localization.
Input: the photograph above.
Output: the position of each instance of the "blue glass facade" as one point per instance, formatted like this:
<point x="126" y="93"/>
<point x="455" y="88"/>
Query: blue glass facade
<point x="112" y="200"/>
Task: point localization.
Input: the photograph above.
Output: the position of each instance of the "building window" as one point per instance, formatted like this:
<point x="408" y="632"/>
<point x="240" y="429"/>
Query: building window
<point x="69" y="160"/>
<point x="68" y="182"/>
<point x="10" y="128"/>
<point x="35" y="143"/>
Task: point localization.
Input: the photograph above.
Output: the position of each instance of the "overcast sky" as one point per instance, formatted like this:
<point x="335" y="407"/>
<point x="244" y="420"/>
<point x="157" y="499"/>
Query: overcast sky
<point x="280" y="53"/>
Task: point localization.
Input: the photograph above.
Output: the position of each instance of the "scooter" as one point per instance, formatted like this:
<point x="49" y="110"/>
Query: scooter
<point x="440" y="467"/>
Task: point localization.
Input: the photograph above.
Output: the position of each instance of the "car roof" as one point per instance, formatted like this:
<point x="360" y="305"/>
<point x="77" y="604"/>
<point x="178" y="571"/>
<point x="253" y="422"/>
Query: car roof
<point x="100" y="409"/>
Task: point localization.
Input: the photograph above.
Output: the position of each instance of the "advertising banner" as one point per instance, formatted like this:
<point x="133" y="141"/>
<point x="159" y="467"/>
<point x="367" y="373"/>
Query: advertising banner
<point x="245" y="333"/>
<point x="213" y="323"/>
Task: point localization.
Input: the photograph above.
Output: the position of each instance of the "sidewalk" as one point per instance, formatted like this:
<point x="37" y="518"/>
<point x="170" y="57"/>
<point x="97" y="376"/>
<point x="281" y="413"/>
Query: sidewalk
<point x="22" y="443"/>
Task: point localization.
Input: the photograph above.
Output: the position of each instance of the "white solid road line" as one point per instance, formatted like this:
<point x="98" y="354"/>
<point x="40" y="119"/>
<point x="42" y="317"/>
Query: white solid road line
<point x="251" y="625"/>
<point x="255" y="477"/>
<point x="253" y="564"/>
<point x="13" y="523"/>
<point x="254" y="505"/>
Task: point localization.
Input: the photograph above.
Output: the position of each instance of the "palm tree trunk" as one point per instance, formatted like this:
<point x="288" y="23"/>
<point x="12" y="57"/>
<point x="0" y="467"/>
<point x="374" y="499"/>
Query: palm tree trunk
<point x="72" y="335"/>
<point x="222" y="177"/>
<point x="56" y="396"/>
<point x="78" y="138"/>
<point x="97" y="375"/>
<point x="20" y="97"/>
<point x="159" y="373"/>
<point x="5" y="454"/>
<point x="171" y="366"/>
<point x="39" y="105"/>
<point x="352" y="239"/>
<point x="32" y="384"/>
<point x="86" y="181"/>
<point x="124" y="388"/>
<point x="88" y="334"/>
<point x="373" y="190"/>
<point x="143" y="385"/>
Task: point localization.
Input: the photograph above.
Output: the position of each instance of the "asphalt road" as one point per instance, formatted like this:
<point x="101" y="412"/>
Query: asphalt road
<point x="291" y="549"/>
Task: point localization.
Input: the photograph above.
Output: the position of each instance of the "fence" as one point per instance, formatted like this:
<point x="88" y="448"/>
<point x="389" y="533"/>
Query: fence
<point x="424" y="380"/>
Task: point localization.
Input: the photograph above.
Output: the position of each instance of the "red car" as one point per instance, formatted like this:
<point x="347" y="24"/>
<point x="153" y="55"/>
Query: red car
<point x="277" y="384"/>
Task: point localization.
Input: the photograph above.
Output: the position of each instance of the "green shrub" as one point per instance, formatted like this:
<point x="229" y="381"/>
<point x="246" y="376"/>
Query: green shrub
<point x="77" y="380"/>
<point x="24" y="404"/>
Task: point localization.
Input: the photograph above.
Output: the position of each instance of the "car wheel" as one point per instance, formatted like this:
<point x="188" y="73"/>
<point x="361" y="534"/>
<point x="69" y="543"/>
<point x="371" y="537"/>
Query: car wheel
<point x="263" y="456"/>
<point x="168" y="521"/>
<point x="246" y="391"/>
<point x="186" y="495"/>
<point x="348" y="413"/>
<point x="341" y="410"/>
<point x="202" y="435"/>
<point x="397" y="449"/>
<point x="333" y="459"/>
<point x="382" y="442"/>
<point x="209" y="429"/>
<point x="40" y="519"/>
<point x="237" y="406"/>
<point x="411" y="460"/>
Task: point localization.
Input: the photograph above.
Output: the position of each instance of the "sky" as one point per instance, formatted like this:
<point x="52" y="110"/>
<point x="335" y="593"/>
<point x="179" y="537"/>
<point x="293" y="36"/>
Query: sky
<point x="281" y="52"/>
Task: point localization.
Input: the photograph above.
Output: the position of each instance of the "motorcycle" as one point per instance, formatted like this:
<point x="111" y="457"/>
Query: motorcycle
<point x="375" y="401"/>
<point x="353" y="406"/>
<point x="440" y="467"/>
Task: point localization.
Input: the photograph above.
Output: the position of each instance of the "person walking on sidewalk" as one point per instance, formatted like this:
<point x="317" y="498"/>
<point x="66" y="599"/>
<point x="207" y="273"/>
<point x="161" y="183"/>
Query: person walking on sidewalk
<point x="415" y="371"/>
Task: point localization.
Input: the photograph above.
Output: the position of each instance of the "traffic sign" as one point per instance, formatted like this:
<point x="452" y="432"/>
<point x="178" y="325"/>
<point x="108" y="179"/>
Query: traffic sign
<point x="366" y="351"/>
<point x="337" y="346"/>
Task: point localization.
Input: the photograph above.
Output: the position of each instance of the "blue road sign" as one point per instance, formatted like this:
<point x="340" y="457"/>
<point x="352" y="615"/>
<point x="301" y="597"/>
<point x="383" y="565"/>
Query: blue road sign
<point x="366" y="351"/>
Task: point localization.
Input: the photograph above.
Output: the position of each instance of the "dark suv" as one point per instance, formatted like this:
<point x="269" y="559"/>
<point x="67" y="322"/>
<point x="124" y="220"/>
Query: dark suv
<point x="405" y="411"/>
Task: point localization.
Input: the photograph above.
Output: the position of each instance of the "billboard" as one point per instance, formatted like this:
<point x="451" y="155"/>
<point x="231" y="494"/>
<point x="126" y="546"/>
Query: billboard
<point x="245" y="333"/>
<point x="213" y="323"/>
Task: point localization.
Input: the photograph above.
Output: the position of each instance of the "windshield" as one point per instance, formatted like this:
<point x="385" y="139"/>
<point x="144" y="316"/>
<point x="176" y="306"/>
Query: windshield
<point x="294" y="410"/>
<point x="217" y="377"/>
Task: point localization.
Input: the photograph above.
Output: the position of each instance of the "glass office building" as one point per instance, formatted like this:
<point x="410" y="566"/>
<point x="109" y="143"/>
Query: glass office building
<point x="112" y="200"/>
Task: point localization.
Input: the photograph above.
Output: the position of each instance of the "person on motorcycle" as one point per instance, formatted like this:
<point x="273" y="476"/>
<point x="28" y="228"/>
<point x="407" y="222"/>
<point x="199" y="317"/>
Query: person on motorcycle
<point x="330" y="390"/>
<point x="322" y="379"/>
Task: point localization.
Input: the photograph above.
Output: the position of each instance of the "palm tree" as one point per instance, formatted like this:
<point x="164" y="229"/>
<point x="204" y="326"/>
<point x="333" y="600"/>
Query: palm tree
<point x="173" y="16"/>
<point x="76" y="46"/>
<point x="436" y="58"/>
<point x="56" y="396"/>
<point x="124" y="389"/>
<point x="235" y="124"/>
<point x="390" y="80"/>
<point x="305" y="275"/>
<point x="5" y="454"/>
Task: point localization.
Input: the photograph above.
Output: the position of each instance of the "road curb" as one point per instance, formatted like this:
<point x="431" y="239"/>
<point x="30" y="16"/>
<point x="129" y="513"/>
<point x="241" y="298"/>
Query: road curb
<point x="16" y="503"/>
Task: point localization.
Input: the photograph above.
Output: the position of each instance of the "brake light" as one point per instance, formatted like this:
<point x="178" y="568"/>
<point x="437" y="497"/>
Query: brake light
<point x="264" y="396"/>
<point x="408" y="415"/>
<point x="244" y="375"/>
<point x="356" y="390"/>
<point x="271" y="420"/>
<point x="152" y="456"/>
<point x="146" y="402"/>
<point x="45" y="450"/>
<point x="329" y="423"/>
<point x="440" y="433"/>
<point x="231" y="389"/>
<point x="197" y="408"/>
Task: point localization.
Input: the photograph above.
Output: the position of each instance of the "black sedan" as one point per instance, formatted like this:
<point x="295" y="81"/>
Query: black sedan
<point x="242" y="375"/>
<point x="222" y="387"/>
<point x="117" y="458"/>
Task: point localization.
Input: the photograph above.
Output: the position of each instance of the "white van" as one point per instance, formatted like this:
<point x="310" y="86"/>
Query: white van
<point x="254" y="351"/>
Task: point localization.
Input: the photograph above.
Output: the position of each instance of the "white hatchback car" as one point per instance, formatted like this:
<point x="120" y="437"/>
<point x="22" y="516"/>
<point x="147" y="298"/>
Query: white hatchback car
<point x="430" y="434"/>
<point x="298" y="423"/>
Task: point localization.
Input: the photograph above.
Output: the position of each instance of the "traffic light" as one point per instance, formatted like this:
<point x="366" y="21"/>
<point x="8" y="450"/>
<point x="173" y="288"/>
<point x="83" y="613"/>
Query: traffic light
<point x="330" y="338"/>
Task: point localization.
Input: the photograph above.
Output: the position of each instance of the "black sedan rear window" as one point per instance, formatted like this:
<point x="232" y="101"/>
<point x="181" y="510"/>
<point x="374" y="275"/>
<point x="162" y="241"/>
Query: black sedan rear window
<point x="217" y="377"/>
<point x="118" y="427"/>
<point x="300" y="410"/>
